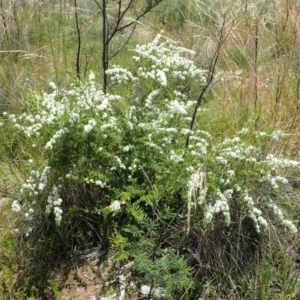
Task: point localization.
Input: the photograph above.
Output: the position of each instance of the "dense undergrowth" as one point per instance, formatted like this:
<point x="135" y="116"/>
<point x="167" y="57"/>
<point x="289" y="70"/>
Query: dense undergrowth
<point x="198" y="207"/>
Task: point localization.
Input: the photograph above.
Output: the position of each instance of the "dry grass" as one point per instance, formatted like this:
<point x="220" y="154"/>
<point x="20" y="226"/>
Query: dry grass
<point x="258" y="76"/>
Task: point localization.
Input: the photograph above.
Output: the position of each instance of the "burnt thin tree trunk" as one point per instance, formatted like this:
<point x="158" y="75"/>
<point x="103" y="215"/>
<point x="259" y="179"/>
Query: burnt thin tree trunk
<point x="105" y="44"/>
<point x="78" y="41"/>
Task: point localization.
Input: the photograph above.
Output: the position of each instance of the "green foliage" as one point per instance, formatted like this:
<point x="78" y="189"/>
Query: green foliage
<point x="154" y="263"/>
<point x="169" y="272"/>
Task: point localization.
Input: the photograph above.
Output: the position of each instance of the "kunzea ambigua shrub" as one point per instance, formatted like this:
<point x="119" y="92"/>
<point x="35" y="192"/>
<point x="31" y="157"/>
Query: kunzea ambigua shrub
<point x="113" y="160"/>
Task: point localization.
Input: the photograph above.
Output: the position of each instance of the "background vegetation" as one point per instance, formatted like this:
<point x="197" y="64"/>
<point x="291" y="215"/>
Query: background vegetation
<point x="251" y="49"/>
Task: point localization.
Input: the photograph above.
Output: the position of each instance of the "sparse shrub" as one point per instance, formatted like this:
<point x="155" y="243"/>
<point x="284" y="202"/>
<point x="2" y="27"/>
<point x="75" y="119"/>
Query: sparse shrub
<point x="115" y="171"/>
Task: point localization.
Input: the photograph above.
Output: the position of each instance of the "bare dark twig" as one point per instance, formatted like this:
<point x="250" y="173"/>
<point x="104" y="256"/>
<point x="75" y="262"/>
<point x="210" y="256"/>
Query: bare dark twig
<point x="119" y="19"/>
<point x="210" y="75"/>
<point x="105" y="45"/>
<point x="255" y="75"/>
<point x="78" y="41"/>
<point x="125" y="43"/>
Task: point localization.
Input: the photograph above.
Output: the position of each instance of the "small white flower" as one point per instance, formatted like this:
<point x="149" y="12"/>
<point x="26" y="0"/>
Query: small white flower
<point x="92" y="76"/>
<point x="88" y="128"/>
<point x="16" y="207"/>
<point x="28" y="231"/>
<point x="162" y="77"/>
<point x="237" y="188"/>
<point x="119" y="161"/>
<point x="262" y="221"/>
<point x="57" y="202"/>
<point x="48" y="146"/>
<point x="257" y="211"/>
<point x="289" y="224"/>
<point x="126" y="148"/>
<point x="243" y="131"/>
<point x="58" y="214"/>
<point x="208" y="217"/>
<point x="228" y="194"/>
<point x="115" y="205"/>
<point x="41" y="186"/>
<point x="177" y="108"/>
<point x="231" y="173"/>
<point x="52" y="85"/>
<point x="175" y="157"/>
<point x="221" y="160"/>
<point x="100" y="183"/>
<point x="249" y="200"/>
<point x="186" y="131"/>
<point x="74" y="117"/>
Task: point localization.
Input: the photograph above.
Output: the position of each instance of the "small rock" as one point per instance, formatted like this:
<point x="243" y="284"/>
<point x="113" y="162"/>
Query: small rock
<point x="99" y="298"/>
<point x="145" y="289"/>
<point x="156" y="292"/>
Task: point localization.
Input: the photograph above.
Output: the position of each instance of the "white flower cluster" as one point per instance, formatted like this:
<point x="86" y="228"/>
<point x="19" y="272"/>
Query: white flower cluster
<point x="287" y="223"/>
<point x="57" y="135"/>
<point x="35" y="184"/>
<point x="97" y="182"/>
<point x="31" y="184"/>
<point x="236" y="167"/>
<point x="67" y="106"/>
<point x="277" y="135"/>
<point x="254" y="213"/>
<point x="54" y="204"/>
<point x="197" y="189"/>
<point x="220" y="205"/>
<point x="120" y="75"/>
<point x="44" y="178"/>
<point x="165" y="65"/>
<point x="176" y="157"/>
<point x="274" y="181"/>
<point x="16" y="206"/>
<point x="177" y="108"/>
<point x="276" y="163"/>
<point x="167" y="58"/>
<point x="151" y="97"/>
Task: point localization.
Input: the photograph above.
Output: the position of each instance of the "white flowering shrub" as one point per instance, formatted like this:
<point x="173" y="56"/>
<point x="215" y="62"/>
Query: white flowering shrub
<point x="100" y="151"/>
<point x="112" y="164"/>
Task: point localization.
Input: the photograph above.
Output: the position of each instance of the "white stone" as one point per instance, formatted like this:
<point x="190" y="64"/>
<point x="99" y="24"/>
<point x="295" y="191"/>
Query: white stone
<point x="145" y="289"/>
